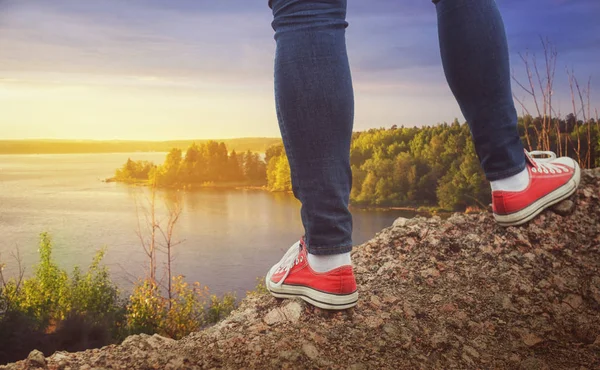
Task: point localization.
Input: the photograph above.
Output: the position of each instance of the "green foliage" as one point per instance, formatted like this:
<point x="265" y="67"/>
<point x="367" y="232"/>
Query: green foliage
<point x="51" y="294"/>
<point x="401" y="167"/>
<point x="185" y="312"/>
<point x="203" y="164"/>
<point x="260" y="289"/>
<point x="94" y="293"/>
<point x="134" y="171"/>
<point x="147" y="309"/>
<point x="219" y="308"/>
<point x="278" y="170"/>
<point x="46" y="296"/>
<point x="416" y="167"/>
<point x="425" y="167"/>
<point x="88" y="302"/>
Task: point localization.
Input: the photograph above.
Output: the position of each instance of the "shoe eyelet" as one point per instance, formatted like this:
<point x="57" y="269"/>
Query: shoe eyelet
<point x="552" y="171"/>
<point x="533" y="170"/>
<point x="545" y="171"/>
<point x="558" y="171"/>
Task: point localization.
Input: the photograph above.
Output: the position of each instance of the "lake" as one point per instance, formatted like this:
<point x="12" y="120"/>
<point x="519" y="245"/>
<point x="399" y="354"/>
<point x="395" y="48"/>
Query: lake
<point x="228" y="237"/>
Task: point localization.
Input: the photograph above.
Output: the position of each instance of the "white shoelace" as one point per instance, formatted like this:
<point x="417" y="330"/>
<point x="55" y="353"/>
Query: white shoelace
<point x="290" y="258"/>
<point x="536" y="153"/>
<point x="543" y="165"/>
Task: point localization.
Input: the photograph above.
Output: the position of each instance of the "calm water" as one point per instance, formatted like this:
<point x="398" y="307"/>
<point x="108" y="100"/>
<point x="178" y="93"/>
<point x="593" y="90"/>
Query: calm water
<point x="229" y="237"/>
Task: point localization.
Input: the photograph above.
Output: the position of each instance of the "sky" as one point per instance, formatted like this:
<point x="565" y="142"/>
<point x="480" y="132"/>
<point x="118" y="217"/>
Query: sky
<point x="183" y="69"/>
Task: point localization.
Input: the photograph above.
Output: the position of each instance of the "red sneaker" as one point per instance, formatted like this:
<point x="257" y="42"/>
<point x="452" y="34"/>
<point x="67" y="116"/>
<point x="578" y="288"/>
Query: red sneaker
<point x="550" y="181"/>
<point x="292" y="277"/>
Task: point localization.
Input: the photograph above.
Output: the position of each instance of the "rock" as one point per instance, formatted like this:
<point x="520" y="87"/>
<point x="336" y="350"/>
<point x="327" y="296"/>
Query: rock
<point x="531" y="339"/>
<point x="564" y="208"/>
<point x="390" y="329"/>
<point x="36" y="359"/>
<point x="375" y="301"/>
<point x="471" y="351"/>
<point x="289" y="313"/>
<point x="158" y="342"/>
<point x="504" y="301"/>
<point x="400" y="222"/>
<point x="60" y="357"/>
<point x="310" y="351"/>
<point x="291" y="355"/>
<point x="587" y="193"/>
<point x="574" y="301"/>
<point x="448" y="308"/>
<point x="374" y="321"/>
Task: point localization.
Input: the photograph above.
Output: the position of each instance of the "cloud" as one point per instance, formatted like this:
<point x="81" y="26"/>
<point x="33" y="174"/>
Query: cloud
<point x="168" y="50"/>
<point x="120" y="38"/>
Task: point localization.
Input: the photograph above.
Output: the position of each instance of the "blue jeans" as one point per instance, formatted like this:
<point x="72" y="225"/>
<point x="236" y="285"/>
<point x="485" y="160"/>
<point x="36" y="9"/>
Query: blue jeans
<point x="315" y="103"/>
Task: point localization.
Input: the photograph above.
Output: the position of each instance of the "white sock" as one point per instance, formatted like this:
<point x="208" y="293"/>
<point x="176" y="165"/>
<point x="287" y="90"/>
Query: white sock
<point x="328" y="262"/>
<point x="518" y="182"/>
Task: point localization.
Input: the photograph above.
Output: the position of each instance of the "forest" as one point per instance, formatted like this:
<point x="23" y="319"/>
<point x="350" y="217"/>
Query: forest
<point x="432" y="166"/>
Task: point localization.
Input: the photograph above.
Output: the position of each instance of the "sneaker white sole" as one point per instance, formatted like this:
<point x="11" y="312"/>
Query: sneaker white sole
<point x="535" y="208"/>
<point x="327" y="301"/>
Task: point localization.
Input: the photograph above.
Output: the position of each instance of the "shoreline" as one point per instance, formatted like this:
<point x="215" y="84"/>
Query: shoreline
<point x="427" y="211"/>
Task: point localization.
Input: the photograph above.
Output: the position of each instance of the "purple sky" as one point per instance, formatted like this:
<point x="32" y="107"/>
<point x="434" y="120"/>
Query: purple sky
<point x="151" y="69"/>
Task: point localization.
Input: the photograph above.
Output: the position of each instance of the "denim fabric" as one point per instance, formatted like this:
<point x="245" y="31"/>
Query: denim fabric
<point x="315" y="108"/>
<point x="475" y="59"/>
<point x="315" y="104"/>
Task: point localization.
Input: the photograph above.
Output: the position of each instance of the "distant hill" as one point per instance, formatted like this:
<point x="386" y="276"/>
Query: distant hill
<point x="254" y="144"/>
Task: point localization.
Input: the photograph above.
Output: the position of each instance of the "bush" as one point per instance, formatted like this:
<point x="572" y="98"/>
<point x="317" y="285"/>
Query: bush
<point x="260" y="289"/>
<point x="185" y="312"/>
<point x="52" y="311"/>
<point x="93" y="293"/>
<point x="45" y="296"/>
<point x="221" y="308"/>
<point x="186" y="309"/>
<point x="146" y="310"/>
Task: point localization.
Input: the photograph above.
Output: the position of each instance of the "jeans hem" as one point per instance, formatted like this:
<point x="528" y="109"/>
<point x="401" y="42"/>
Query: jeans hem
<point x="327" y="251"/>
<point x="504" y="174"/>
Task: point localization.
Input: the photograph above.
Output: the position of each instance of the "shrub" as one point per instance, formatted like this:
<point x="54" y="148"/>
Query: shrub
<point x="51" y="311"/>
<point x="45" y="296"/>
<point x="260" y="289"/>
<point x="220" y="308"/>
<point x="186" y="309"/>
<point x="146" y="309"/>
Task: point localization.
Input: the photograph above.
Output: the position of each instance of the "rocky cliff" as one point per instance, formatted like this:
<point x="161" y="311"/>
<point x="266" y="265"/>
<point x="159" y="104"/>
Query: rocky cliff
<point x="455" y="293"/>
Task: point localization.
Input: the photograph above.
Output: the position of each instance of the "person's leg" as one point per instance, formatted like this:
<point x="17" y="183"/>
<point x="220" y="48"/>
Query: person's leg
<point x="315" y="108"/>
<point x="475" y="58"/>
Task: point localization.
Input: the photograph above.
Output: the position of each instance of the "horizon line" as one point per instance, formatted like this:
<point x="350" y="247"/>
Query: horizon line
<point x="134" y="140"/>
